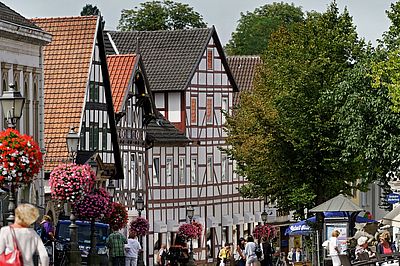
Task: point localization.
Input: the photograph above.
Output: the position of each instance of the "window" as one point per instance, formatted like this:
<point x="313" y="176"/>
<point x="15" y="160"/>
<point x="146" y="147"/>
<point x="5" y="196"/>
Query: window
<point x="93" y="92"/>
<point x="35" y="102"/>
<point x="209" y="168"/>
<point x="168" y="170"/>
<point x="156" y="170"/>
<point x="224" y="164"/>
<point x="210" y="59"/>
<point x="93" y="136"/>
<point x="193" y="110"/>
<point x="140" y="171"/>
<point x="104" y="137"/>
<point x="193" y="170"/>
<point x="209" y="110"/>
<point x="25" y="116"/>
<point x="133" y="173"/>
<point x="224" y="109"/>
<point x="181" y="170"/>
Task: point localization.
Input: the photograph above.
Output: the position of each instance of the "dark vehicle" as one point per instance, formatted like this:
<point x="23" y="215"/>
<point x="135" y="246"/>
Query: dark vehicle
<point x="62" y="237"/>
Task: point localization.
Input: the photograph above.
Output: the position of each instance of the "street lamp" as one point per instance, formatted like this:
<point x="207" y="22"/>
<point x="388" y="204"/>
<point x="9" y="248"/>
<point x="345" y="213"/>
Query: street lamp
<point x="12" y="103"/>
<point x="190" y="214"/>
<point x="74" y="256"/>
<point x="264" y="216"/>
<point x="111" y="188"/>
<point x="139" y="204"/>
<point x="72" y="143"/>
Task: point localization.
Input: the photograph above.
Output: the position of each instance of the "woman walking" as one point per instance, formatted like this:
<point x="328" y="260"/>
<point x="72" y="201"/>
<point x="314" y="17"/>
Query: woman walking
<point x="250" y="252"/>
<point x="334" y="248"/>
<point x="27" y="240"/>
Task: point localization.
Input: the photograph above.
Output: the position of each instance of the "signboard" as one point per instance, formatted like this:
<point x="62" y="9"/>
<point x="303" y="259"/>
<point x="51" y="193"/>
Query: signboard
<point x="393" y="198"/>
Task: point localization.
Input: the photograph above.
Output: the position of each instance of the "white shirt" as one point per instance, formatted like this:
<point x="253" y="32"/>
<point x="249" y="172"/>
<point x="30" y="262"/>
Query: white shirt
<point x="28" y="242"/>
<point x="250" y="249"/>
<point x="333" y="246"/>
<point x="132" y="248"/>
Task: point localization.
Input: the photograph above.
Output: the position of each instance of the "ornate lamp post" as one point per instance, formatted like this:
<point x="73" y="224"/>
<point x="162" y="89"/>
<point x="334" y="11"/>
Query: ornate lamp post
<point x="111" y="188"/>
<point x="190" y="214"/>
<point x="264" y="217"/>
<point x="74" y="256"/>
<point x="12" y="103"/>
<point x="139" y="204"/>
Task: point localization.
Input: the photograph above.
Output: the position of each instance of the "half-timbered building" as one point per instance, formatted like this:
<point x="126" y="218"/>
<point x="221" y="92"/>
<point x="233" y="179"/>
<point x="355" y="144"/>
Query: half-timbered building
<point x="192" y="87"/>
<point x="78" y="94"/>
<point x="21" y="64"/>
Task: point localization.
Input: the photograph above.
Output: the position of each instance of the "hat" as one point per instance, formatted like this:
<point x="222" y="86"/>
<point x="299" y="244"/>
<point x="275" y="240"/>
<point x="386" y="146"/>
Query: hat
<point x="362" y="240"/>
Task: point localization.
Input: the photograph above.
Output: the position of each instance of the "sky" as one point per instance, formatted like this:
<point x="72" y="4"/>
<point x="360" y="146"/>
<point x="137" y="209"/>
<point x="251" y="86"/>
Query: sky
<point x="369" y="15"/>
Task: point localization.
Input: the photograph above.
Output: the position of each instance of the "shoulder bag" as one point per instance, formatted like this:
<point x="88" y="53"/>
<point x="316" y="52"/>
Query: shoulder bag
<point x="13" y="258"/>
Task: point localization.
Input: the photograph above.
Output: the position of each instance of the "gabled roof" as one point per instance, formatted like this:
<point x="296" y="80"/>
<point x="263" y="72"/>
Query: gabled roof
<point x="170" y="57"/>
<point x="121" y="69"/>
<point x="66" y="68"/>
<point x="9" y="15"/>
<point x="243" y="69"/>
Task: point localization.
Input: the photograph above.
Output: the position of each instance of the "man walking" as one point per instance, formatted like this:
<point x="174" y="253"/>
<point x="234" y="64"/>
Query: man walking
<point x="132" y="250"/>
<point x="115" y="243"/>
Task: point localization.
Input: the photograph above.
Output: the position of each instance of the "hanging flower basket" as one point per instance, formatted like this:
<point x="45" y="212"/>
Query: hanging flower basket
<point x="190" y="231"/>
<point x="20" y="157"/>
<point x="69" y="182"/>
<point x="264" y="231"/>
<point x="94" y="205"/>
<point x="140" y="226"/>
<point x="117" y="217"/>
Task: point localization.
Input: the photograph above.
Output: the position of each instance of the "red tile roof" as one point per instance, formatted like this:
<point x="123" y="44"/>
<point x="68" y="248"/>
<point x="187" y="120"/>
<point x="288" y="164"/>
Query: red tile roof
<point x="120" y="68"/>
<point x="66" y="71"/>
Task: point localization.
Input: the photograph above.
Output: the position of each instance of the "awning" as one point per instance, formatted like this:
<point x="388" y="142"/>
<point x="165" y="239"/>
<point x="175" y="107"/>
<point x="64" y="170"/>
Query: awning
<point x="211" y="222"/>
<point x="393" y="217"/>
<point x="238" y="218"/>
<point x="172" y="226"/>
<point x="248" y="217"/>
<point x="160" y="227"/>
<point x="227" y="220"/>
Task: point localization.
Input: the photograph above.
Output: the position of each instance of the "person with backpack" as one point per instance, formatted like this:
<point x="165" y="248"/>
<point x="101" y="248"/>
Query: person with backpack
<point x="250" y="252"/>
<point x="47" y="230"/>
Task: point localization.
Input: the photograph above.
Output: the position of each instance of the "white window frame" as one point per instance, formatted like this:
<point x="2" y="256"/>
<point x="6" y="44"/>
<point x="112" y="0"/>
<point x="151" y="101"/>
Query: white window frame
<point x="169" y="168"/>
<point x="156" y="170"/>
<point x="193" y="170"/>
<point x="181" y="170"/>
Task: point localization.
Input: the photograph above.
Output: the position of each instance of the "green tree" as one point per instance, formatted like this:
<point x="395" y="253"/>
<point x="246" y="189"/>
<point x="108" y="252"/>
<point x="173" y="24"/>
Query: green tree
<point x="157" y="15"/>
<point x="285" y="136"/>
<point x="90" y="10"/>
<point x="254" y="28"/>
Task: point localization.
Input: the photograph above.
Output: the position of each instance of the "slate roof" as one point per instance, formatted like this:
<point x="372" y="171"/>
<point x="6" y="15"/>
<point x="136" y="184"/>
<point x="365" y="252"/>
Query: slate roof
<point x="170" y="57"/>
<point x="162" y="133"/>
<point x="120" y="68"/>
<point x="9" y="15"/>
<point x="66" y="67"/>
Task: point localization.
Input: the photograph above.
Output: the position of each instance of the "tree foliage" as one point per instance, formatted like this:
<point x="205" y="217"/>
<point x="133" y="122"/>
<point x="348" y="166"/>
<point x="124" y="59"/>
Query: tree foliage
<point x="160" y="15"/>
<point x="313" y="126"/>
<point x="90" y="10"/>
<point x="254" y="28"/>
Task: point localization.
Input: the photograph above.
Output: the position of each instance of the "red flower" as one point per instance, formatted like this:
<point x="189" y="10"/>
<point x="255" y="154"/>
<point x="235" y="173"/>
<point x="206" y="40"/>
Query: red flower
<point x="190" y="231"/>
<point x="264" y="231"/>
<point x="94" y="205"/>
<point x="117" y="217"/>
<point x="20" y="157"/>
<point x="140" y="225"/>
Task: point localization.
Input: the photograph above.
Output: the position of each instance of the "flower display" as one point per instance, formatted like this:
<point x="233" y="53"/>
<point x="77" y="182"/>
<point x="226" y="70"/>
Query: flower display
<point x="94" y="205"/>
<point x="20" y="157"/>
<point x="117" y="217"/>
<point x="69" y="182"/>
<point x="190" y="231"/>
<point x="264" y="231"/>
<point x="140" y="226"/>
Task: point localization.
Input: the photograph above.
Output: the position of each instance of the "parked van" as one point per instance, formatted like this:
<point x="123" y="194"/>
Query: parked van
<point x="63" y="239"/>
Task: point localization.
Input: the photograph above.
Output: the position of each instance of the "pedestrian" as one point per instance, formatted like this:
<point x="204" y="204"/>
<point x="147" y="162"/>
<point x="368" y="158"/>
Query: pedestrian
<point x="334" y="249"/>
<point x="290" y="256"/>
<point x="224" y="254"/>
<point x="385" y="246"/>
<point x="47" y="230"/>
<point x="240" y="258"/>
<point x="132" y="249"/>
<point x="115" y="243"/>
<point x="27" y="240"/>
<point x="297" y="256"/>
<point x="250" y="251"/>
<point x="362" y="251"/>
<point x="162" y="255"/>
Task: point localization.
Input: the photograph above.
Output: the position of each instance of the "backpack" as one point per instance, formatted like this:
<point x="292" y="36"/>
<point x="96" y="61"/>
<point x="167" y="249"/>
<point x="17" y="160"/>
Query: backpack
<point x="258" y="251"/>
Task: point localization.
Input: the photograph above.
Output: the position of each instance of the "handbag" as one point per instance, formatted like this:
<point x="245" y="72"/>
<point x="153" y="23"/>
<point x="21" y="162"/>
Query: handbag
<point x="14" y="257"/>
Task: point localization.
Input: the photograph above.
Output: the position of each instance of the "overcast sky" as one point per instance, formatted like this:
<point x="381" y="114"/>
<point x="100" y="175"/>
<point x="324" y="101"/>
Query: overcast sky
<point x="369" y="15"/>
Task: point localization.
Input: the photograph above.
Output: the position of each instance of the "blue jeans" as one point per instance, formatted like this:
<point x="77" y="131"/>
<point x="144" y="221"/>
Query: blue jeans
<point x="131" y="261"/>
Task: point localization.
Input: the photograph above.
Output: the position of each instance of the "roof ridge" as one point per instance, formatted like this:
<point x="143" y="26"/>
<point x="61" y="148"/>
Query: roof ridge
<point x="65" y="17"/>
<point x="244" y="56"/>
<point x="157" y="31"/>
<point x="121" y="55"/>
